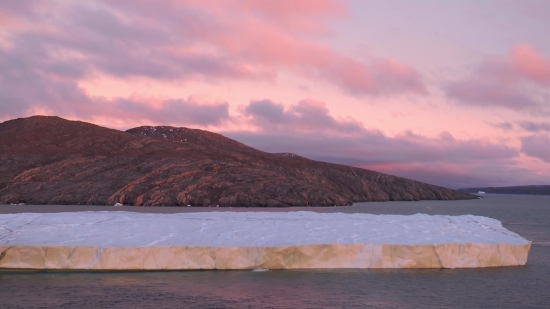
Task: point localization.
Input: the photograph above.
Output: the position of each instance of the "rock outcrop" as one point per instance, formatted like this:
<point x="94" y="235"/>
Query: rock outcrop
<point x="50" y="160"/>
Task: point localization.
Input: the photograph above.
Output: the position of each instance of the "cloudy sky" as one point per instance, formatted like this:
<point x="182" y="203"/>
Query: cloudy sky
<point x="455" y="93"/>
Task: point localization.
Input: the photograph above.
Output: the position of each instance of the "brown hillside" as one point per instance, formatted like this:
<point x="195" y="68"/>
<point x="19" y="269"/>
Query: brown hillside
<point x="50" y="160"/>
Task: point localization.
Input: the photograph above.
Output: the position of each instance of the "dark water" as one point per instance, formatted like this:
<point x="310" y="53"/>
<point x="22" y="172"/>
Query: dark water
<point x="506" y="287"/>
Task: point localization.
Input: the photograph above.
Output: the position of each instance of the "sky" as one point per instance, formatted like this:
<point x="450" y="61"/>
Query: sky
<point x="453" y="93"/>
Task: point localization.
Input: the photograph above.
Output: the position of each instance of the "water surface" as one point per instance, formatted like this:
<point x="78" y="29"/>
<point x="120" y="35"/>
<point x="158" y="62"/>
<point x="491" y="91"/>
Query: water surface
<point x="504" y="287"/>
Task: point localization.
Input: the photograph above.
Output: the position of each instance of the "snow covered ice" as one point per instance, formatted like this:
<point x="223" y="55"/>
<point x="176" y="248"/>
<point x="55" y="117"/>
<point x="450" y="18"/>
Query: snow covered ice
<point x="131" y="229"/>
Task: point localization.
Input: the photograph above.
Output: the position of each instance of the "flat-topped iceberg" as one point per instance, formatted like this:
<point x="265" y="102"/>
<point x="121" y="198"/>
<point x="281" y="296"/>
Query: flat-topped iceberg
<point x="251" y="240"/>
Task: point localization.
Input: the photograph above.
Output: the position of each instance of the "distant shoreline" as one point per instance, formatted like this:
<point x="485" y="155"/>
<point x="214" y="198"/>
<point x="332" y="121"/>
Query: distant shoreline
<point x="525" y="190"/>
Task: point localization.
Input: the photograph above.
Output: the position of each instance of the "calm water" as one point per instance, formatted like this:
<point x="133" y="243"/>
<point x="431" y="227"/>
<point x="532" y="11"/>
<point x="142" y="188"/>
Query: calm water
<point x="507" y="287"/>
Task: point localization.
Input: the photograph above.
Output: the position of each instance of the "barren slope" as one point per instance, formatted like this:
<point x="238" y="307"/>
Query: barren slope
<point x="50" y="160"/>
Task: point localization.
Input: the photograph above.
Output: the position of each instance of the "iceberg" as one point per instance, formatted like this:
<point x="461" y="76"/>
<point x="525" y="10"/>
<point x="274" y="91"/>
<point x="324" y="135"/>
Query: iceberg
<point x="119" y="240"/>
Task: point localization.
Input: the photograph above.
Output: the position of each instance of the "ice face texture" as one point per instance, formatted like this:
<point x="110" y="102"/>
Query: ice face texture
<point x="248" y="240"/>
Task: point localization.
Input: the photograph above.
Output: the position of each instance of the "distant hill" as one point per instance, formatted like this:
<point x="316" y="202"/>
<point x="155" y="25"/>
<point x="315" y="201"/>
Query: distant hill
<point x="50" y="160"/>
<point x="533" y="190"/>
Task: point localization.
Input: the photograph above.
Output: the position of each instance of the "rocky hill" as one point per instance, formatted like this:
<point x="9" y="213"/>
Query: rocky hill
<point x="50" y="160"/>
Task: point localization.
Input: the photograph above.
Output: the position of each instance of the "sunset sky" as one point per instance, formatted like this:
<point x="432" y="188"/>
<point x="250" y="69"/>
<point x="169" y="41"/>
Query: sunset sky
<point x="454" y="93"/>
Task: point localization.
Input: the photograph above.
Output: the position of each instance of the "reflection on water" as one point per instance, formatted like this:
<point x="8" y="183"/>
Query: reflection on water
<point x="507" y="287"/>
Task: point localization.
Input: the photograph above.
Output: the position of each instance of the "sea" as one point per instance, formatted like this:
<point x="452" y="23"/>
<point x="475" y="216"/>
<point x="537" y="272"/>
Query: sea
<point x="501" y="287"/>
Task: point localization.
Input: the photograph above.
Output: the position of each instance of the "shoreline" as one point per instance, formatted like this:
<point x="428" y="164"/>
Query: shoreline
<point x="362" y="207"/>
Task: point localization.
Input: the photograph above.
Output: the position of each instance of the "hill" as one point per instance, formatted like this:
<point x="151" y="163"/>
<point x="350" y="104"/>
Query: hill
<point x="50" y="160"/>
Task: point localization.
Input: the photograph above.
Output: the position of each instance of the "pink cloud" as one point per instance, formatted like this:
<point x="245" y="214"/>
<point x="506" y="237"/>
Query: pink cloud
<point x="31" y="85"/>
<point x="504" y="82"/>
<point x="504" y="126"/>
<point x="489" y="93"/>
<point x="537" y="146"/>
<point x="291" y="14"/>
<point x="305" y="116"/>
<point x="309" y="128"/>
<point x="207" y="41"/>
<point x="298" y="8"/>
<point x="463" y="176"/>
<point x="532" y="126"/>
<point x="531" y="64"/>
